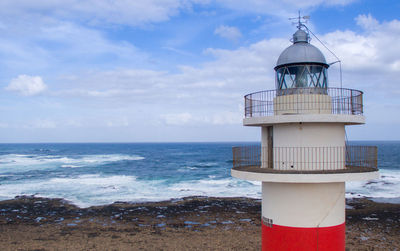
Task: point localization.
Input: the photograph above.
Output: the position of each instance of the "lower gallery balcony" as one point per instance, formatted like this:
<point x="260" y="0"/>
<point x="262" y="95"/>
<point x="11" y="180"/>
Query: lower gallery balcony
<point x="307" y="160"/>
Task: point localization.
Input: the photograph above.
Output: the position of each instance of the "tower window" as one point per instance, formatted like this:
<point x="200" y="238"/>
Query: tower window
<point x="301" y="76"/>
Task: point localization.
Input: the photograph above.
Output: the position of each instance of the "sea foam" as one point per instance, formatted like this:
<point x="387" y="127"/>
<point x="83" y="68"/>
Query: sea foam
<point x="24" y="162"/>
<point x="387" y="186"/>
<point x="88" y="190"/>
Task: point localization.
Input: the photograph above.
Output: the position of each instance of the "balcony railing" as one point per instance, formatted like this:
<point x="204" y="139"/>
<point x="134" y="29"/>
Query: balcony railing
<point x="304" y="100"/>
<point x="307" y="159"/>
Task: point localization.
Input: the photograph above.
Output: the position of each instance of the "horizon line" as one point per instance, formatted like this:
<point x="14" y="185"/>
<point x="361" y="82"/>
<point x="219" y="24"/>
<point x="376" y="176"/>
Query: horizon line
<point x="171" y="142"/>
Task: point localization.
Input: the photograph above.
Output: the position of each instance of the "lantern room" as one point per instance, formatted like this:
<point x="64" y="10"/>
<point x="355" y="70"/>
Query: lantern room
<point x="301" y="65"/>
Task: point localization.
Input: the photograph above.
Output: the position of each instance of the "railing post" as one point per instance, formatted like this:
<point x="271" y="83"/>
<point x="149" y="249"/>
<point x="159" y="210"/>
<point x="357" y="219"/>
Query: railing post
<point x="352" y="105"/>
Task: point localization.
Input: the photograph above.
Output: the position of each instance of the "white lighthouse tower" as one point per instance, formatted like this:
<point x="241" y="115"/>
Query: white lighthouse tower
<point x="304" y="160"/>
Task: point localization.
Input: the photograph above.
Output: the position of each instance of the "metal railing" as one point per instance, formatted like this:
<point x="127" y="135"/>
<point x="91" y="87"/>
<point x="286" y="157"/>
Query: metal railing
<point x="362" y="156"/>
<point x="304" y="100"/>
<point x="246" y="156"/>
<point x="307" y="158"/>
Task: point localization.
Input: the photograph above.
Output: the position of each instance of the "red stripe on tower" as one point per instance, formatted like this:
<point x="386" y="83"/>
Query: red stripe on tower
<point x="298" y="238"/>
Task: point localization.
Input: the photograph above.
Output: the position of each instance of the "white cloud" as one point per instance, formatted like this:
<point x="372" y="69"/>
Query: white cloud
<point x="73" y="123"/>
<point x="178" y="118"/>
<point x="120" y="122"/>
<point x="228" y="32"/>
<point x="198" y="119"/>
<point x="27" y="85"/>
<point x="43" y="124"/>
<point x="227" y="118"/>
<point x="43" y="45"/>
<point x="367" y="22"/>
<point x="99" y="11"/>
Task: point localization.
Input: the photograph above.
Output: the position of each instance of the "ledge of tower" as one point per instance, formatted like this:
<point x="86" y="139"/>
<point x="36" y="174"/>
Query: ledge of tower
<point x="256" y="173"/>
<point x="305" y="118"/>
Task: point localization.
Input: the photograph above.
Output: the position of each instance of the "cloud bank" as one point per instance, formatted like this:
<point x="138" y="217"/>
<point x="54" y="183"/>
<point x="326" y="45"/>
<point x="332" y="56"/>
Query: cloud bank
<point x="136" y="13"/>
<point x="108" y="85"/>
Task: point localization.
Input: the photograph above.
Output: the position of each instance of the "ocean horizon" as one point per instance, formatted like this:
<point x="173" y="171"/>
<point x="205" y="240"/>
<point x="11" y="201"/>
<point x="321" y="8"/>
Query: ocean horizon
<point x="91" y="174"/>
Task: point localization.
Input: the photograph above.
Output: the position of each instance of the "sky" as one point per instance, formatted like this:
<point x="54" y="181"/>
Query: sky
<point x="177" y="70"/>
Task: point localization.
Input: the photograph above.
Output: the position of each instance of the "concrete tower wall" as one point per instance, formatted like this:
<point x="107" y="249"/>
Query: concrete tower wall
<point x="309" y="135"/>
<point x="266" y="144"/>
<point x="303" y="216"/>
<point x="304" y="146"/>
<point x="302" y="104"/>
<point x="304" y="205"/>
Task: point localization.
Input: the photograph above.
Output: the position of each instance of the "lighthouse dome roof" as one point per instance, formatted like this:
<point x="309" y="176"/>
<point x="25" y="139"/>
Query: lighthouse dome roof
<point x="301" y="51"/>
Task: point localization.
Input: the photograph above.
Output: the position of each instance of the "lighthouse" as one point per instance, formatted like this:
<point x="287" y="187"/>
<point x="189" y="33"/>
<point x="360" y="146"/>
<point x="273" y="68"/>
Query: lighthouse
<point x="304" y="158"/>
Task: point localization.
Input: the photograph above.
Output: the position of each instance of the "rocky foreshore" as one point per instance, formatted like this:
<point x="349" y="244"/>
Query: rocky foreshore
<point x="193" y="223"/>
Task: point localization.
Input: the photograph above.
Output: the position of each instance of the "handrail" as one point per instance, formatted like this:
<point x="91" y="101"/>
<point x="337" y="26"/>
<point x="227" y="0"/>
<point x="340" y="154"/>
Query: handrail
<point x="307" y="158"/>
<point x="304" y="100"/>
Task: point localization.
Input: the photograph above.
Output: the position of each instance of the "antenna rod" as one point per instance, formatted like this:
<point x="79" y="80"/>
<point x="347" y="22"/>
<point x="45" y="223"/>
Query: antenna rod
<point x="299" y="21"/>
<point x="338" y="60"/>
<point x="302" y="24"/>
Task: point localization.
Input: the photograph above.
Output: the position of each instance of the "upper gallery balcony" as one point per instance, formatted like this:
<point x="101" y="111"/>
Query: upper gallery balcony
<point x="304" y="105"/>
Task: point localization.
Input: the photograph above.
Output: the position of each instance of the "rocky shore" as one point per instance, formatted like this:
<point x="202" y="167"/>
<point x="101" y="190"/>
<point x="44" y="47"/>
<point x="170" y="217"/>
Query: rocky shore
<point x="193" y="223"/>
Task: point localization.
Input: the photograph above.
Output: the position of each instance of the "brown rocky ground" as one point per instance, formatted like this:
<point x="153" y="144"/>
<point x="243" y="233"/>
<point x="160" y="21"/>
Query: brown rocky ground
<point x="195" y="223"/>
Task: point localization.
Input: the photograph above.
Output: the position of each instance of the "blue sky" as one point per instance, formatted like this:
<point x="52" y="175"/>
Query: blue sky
<point x="177" y="70"/>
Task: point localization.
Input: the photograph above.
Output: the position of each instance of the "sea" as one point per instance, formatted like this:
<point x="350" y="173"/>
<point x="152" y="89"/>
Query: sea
<point x="89" y="174"/>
